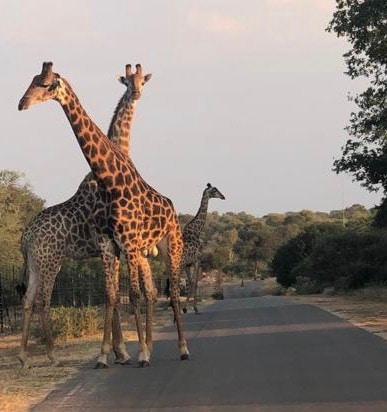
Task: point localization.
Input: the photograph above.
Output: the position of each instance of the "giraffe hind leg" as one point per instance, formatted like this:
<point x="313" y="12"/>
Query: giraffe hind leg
<point x="49" y="276"/>
<point x="28" y="303"/>
<point x="133" y="258"/>
<point x="119" y="348"/>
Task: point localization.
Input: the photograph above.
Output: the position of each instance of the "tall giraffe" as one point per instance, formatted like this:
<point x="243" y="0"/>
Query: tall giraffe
<point x="139" y="216"/>
<point x="78" y="229"/>
<point x="192" y="245"/>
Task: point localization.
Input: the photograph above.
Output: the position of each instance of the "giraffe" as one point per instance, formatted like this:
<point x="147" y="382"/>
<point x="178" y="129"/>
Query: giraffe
<point x="192" y="244"/>
<point x="77" y="228"/>
<point x="139" y="216"/>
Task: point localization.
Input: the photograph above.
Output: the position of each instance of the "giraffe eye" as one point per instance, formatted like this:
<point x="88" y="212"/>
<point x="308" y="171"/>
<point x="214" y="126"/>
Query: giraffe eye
<point x="45" y="86"/>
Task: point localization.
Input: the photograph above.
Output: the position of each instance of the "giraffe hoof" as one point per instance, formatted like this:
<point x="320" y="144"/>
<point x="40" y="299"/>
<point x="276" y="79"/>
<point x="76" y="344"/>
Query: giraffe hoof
<point x="144" y="364"/>
<point x="184" y="310"/>
<point x="100" y="365"/>
<point x="184" y="356"/>
<point x="126" y="362"/>
<point x="120" y="361"/>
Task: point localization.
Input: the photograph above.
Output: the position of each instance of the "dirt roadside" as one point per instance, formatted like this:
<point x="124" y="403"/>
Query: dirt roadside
<point x="368" y="314"/>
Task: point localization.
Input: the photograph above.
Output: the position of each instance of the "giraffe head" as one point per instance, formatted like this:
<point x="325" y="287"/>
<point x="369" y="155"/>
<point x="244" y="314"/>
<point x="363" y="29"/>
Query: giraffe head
<point x="134" y="81"/>
<point x="44" y="86"/>
<point x="213" y="193"/>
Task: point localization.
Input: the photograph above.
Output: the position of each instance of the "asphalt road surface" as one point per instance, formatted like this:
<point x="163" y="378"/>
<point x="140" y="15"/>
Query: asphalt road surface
<point x="249" y="354"/>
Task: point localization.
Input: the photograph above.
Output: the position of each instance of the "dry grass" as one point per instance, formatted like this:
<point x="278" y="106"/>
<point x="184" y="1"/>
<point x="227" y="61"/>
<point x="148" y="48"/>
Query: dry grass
<point x="362" y="309"/>
<point x="20" y="389"/>
<point x="270" y="286"/>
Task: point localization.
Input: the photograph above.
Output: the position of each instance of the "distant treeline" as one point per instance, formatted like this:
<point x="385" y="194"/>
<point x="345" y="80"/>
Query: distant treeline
<point x="339" y="248"/>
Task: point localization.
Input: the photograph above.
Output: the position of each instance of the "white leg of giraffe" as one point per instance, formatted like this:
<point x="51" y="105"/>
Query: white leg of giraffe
<point x="132" y="257"/>
<point x="174" y="258"/>
<point x="149" y="292"/>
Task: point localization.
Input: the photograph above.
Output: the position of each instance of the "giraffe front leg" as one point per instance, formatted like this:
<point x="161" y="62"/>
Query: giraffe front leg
<point x="189" y="280"/>
<point x="134" y="294"/>
<point x="195" y="288"/>
<point x="175" y="250"/>
<point x="143" y="351"/>
<point x="102" y="361"/>
<point x="111" y="296"/>
<point x="182" y="343"/>
<point x="119" y="347"/>
<point x="150" y="298"/>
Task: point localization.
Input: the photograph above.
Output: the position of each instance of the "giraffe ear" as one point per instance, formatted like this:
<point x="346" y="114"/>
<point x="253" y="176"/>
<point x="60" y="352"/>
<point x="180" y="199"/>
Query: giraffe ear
<point x="54" y="85"/>
<point x="122" y="80"/>
<point x="147" y="77"/>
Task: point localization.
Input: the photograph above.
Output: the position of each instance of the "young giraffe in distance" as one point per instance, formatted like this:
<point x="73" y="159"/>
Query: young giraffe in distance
<point x="139" y="216"/>
<point x="190" y="261"/>
<point x="78" y="229"/>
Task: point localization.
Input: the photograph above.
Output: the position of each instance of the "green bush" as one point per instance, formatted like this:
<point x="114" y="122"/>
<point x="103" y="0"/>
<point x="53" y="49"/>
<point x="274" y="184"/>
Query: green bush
<point x="291" y="254"/>
<point x="344" y="260"/>
<point x="71" y="323"/>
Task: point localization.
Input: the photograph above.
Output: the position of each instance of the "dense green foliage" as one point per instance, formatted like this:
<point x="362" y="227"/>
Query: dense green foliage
<point x="314" y="246"/>
<point x="289" y="260"/>
<point x="18" y="204"/>
<point x="329" y="256"/>
<point x="364" y="25"/>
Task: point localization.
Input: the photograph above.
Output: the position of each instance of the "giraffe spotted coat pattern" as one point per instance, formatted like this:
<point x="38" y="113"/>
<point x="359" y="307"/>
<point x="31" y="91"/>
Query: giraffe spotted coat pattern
<point x="139" y="216"/>
<point x="190" y="261"/>
<point x="77" y="229"/>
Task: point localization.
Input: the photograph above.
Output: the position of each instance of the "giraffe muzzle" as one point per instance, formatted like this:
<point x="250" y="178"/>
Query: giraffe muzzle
<point x="23" y="104"/>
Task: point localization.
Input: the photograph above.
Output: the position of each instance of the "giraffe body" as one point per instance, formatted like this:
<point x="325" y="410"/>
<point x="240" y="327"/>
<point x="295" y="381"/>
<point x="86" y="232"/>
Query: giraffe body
<point x="139" y="216"/>
<point x="190" y="261"/>
<point x="77" y="228"/>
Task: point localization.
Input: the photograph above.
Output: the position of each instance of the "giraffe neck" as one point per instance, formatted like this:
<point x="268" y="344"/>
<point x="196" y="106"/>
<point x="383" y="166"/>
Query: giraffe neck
<point x="121" y="124"/>
<point x="197" y="223"/>
<point x="98" y="150"/>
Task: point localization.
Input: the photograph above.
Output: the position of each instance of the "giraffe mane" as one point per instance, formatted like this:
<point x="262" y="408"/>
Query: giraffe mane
<point x="115" y="114"/>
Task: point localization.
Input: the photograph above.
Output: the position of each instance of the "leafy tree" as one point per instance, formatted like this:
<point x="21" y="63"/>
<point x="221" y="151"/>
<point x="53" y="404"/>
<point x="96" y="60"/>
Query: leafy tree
<point x="364" y="24"/>
<point x="290" y="255"/>
<point x="348" y="260"/>
<point x="257" y="244"/>
<point x="18" y="204"/>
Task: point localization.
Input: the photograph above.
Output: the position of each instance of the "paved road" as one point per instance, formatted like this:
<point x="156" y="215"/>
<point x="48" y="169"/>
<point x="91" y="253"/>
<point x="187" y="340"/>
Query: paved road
<point x="253" y="354"/>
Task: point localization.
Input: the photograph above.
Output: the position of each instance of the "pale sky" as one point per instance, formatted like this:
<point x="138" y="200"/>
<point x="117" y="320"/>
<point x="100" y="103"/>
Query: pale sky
<point x="248" y="95"/>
